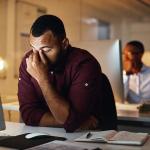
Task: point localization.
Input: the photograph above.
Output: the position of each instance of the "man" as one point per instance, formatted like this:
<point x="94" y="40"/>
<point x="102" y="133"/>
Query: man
<point x="136" y="75"/>
<point x="60" y="85"/>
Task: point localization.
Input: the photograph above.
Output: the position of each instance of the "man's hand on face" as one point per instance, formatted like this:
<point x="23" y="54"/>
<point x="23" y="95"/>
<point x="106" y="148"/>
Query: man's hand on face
<point x="37" y="66"/>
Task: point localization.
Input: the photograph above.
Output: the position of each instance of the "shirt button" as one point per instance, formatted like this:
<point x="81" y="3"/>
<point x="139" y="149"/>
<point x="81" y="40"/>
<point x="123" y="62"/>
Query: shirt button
<point x="86" y="84"/>
<point x="52" y="72"/>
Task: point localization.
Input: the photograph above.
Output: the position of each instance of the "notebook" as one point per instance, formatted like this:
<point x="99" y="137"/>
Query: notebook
<point x="63" y="145"/>
<point x="114" y="137"/>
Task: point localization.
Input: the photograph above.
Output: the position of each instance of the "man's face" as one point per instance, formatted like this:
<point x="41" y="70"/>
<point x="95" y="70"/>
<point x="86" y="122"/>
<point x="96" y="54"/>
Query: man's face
<point x="132" y="59"/>
<point x="131" y="54"/>
<point x="49" y="44"/>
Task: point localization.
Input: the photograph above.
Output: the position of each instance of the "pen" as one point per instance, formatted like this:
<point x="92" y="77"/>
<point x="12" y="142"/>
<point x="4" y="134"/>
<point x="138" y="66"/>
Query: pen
<point x="88" y="135"/>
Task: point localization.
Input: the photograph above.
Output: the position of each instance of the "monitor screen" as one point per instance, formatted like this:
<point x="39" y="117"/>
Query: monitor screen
<point x="108" y="54"/>
<point x="2" y="122"/>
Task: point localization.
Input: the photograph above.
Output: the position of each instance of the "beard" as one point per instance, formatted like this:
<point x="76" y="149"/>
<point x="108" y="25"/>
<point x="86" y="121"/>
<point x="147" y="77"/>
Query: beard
<point x="59" y="59"/>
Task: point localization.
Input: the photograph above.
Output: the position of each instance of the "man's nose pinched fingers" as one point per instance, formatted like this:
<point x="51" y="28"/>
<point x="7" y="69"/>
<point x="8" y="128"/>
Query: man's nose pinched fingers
<point x="36" y="58"/>
<point x="43" y="57"/>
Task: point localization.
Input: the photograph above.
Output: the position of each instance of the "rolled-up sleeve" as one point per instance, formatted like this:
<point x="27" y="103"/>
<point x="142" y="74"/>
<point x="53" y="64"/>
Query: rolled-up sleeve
<point x="83" y="93"/>
<point x="31" y="108"/>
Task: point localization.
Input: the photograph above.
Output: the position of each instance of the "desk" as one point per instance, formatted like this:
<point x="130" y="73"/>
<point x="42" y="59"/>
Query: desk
<point x="19" y="128"/>
<point x="130" y="119"/>
<point x="11" y="106"/>
<point x="130" y="113"/>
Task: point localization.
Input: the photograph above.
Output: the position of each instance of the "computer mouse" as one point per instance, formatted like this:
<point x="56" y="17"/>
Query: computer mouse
<point x="36" y="135"/>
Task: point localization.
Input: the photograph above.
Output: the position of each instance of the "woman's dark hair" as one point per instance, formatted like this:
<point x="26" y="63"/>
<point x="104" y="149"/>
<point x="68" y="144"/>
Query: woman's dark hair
<point x="48" y="23"/>
<point x="137" y="45"/>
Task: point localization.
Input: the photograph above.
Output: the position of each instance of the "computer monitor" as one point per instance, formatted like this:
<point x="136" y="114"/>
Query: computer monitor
<point x="2" y="122"/>
<point x="108" y="54"/>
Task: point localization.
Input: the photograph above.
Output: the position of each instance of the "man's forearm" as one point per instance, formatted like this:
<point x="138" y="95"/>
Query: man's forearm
<point x="48" y="120"/>
<point x="57" y="104"/>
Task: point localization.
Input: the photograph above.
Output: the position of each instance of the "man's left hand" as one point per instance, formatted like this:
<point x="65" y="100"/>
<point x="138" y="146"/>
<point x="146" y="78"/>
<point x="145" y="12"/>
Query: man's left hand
<point x="37" y="66"/>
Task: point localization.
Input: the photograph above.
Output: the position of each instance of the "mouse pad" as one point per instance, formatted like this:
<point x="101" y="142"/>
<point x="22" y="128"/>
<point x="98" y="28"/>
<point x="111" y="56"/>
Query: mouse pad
<point x="20" y="142"/>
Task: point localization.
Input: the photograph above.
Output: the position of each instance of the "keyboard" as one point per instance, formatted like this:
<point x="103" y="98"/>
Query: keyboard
<point x="145" y="107"/>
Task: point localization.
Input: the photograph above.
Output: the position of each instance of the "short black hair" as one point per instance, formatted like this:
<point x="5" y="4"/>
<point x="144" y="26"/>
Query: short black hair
<point x="48" y="22"/>
<point x="137" y="45"/>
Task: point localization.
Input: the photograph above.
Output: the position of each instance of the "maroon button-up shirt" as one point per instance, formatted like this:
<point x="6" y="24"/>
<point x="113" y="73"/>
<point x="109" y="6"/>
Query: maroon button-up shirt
<point x="77" y="78"/>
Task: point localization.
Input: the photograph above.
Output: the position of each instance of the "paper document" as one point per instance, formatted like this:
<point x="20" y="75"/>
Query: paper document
<point x="62" y="145"/>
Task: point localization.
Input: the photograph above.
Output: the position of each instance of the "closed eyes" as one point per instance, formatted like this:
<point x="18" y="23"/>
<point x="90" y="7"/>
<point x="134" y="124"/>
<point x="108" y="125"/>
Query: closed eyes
<point x="44" y="48"/>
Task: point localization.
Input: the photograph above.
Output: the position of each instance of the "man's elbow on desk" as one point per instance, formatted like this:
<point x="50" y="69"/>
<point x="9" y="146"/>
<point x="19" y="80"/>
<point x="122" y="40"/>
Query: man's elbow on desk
<point x="71" y="124"/>
<point x="48" y="120"/>
<point x="31" y="117"/>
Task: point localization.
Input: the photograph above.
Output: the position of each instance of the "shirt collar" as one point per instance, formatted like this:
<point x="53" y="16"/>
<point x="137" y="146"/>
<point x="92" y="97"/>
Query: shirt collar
<point x="144" y="68"/>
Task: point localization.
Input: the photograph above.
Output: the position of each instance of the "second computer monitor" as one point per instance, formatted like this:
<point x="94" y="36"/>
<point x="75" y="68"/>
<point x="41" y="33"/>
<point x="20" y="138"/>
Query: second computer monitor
<point x="2" y="122"/>
<point x="108" y="54"/>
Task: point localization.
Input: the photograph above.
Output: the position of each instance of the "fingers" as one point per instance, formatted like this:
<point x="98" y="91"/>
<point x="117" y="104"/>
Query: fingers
<point x="31" y="57"/>
<point x="36" y="58"/>
<point x="29" y="60"/>
<point x="43" y="57"/>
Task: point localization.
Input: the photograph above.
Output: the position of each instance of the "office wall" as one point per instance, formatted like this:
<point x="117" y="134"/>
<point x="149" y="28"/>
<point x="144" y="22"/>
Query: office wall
<point x="2" y="28"/>
<point x="73" y="14"/>
<point x="141" y="31"/>
<point x="131" y="30"/>
<point x="9" y="85"/>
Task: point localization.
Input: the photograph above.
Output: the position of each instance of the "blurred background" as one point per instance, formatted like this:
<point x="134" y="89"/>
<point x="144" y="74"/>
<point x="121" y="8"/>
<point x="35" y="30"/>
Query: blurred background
<point x="85" y="20"/>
